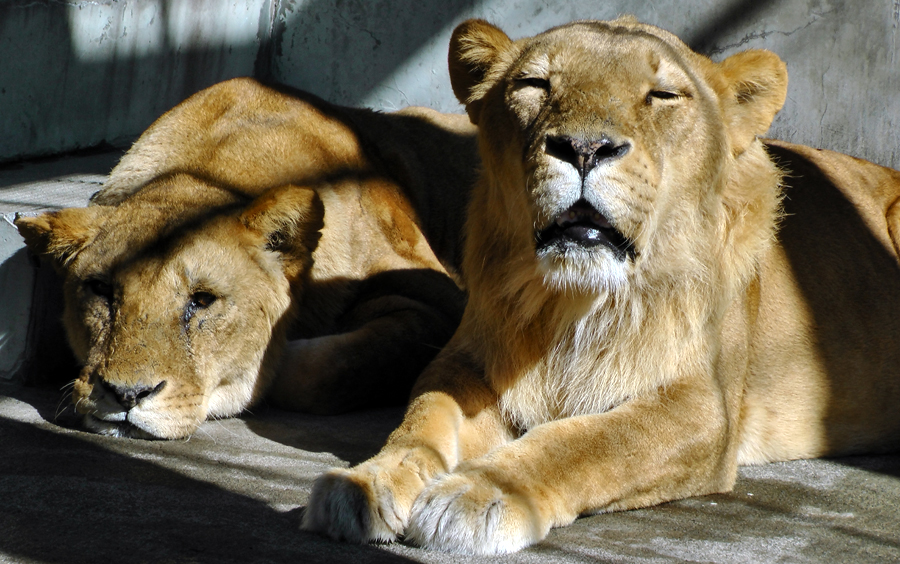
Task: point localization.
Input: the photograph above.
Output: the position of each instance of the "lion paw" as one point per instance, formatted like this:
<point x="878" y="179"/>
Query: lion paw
<point x="468" y="513"/>
<point x="371" y="502"/>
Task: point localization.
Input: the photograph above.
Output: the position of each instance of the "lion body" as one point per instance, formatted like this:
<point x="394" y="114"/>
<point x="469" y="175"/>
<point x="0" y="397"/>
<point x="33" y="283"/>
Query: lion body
<point x="645" y="310"/>
<point x="378" y="282"/>
<point x="822" y="370"/>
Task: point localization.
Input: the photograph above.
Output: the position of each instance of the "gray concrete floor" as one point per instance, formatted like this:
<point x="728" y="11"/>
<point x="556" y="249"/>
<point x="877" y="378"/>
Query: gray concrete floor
<point x="54" y="182"/>
<point x="236" y="490"/>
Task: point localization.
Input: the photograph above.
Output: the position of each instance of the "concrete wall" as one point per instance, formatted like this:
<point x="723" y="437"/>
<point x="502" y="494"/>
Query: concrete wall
<point x="77" y="74"/>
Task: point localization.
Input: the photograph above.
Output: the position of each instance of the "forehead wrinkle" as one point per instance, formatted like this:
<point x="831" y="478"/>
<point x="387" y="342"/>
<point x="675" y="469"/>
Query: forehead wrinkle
<point x="120" y="245"/>
<point x="597" y="36"/>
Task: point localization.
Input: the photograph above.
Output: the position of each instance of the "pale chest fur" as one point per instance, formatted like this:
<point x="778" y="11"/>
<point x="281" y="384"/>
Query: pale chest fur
<point x="594" y="363"/>
<point x="574" y="378"/>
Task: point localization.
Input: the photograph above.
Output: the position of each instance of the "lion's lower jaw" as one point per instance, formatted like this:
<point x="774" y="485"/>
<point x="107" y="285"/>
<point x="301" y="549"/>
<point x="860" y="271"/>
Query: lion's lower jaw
<point x="122" y="429"/>
<point x="142" y="423"/>
<point x="594" y="272"/>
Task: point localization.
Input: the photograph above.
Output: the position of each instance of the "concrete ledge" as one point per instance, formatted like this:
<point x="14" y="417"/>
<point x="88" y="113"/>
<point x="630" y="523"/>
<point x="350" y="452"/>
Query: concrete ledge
<point x="16" y="285"/>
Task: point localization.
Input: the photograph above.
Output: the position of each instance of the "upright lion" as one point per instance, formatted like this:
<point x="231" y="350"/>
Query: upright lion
<point x="644" y="314"/>
<point x="183" y="278"/>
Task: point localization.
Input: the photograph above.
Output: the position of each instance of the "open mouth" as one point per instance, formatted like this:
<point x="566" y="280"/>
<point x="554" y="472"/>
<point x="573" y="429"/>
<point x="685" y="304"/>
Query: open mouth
<point x="583" y="226"/>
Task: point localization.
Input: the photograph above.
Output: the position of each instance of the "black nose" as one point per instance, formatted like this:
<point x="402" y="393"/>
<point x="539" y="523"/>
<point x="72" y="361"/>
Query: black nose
<point x="130" y="396"/>
<point x="582" y="154"/>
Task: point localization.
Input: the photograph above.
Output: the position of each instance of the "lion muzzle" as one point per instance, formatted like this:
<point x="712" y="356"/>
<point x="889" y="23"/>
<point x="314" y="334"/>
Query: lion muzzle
<point x="584" y="154"/>
<point x="130" y="396"/>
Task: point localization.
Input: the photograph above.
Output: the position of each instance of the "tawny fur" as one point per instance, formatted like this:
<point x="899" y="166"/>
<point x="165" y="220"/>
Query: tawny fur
<point x="380" y="291"/>
<point x="753" y="315"/>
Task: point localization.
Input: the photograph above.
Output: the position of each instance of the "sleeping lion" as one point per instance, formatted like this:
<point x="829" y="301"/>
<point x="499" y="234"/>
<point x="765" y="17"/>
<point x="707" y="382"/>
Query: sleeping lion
<point x="656" y="296"/>
<point x="183" y="278"/>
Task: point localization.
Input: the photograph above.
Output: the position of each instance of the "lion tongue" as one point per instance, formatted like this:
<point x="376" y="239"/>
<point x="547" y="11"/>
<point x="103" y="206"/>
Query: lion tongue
<point x="584" y="224"/>
<point x="588" y="236"/>
<point x="586" y="216"/>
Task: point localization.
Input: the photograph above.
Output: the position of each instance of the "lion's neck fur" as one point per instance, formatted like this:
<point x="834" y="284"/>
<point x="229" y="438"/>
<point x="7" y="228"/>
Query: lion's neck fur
<point x="552" y="354"/>
<point x="583" y="354"/>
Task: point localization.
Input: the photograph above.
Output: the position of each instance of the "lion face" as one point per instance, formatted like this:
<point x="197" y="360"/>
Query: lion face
<point x="177" y="307"/>
<point x="613" y="139"/>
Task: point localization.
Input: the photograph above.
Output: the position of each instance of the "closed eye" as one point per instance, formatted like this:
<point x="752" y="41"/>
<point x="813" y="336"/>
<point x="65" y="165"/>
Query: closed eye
<point x="533" y="82"/>
<point x="663" y="95"/>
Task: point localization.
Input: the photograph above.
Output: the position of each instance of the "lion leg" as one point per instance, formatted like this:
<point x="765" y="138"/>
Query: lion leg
<point x="644" y="452"/>
<point x="452" y="417"/>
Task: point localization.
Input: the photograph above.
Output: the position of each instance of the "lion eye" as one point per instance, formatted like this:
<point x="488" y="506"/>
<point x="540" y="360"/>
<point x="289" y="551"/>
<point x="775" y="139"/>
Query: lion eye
<point x="534" y="82"/>
<point x="662" y="95"/>
<point x="201" y="300"/>
<point x="100" y="288"/>
<point x="197" y="301"/>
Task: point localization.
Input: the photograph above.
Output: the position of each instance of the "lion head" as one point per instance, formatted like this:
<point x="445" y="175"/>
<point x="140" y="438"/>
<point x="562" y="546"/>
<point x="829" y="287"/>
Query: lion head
<point x="610" y="146"/>
<point x="623" y="205"/>
<point x="177" y="300"/>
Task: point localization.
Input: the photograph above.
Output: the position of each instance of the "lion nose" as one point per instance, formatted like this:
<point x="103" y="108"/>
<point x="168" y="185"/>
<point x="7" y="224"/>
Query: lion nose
<point x="130" y="396"/>
<point x="585" y="155"/>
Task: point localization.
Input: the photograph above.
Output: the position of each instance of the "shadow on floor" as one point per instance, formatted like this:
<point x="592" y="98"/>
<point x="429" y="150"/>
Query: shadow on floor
<point x="66" y="499"/>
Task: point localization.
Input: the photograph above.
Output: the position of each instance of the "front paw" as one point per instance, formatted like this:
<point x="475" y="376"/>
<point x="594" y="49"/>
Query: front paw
<point x="469" y="513"/>
<point x="370" y="502"/>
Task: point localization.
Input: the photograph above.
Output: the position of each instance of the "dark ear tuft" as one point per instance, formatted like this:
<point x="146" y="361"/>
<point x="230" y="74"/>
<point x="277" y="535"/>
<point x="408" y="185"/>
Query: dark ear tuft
<point x="474" y="47"/>
<point x="290" y="219"/>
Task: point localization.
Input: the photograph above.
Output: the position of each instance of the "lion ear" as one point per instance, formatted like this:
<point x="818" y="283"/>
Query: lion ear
<point x="474" y="47"/>
<point x="753" y="89"/>
<point x="60" y="235"/>
<point x="290" y="219"/>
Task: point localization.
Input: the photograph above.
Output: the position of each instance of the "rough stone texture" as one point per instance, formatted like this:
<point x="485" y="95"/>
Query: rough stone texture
<point x="79" y="73"/>
<point x="16" y="282"/>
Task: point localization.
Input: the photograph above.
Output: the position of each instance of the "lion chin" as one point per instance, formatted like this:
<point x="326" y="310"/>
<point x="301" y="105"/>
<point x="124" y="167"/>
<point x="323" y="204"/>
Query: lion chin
<point x="112" y="428"/>
<point x="656" y="296"/>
